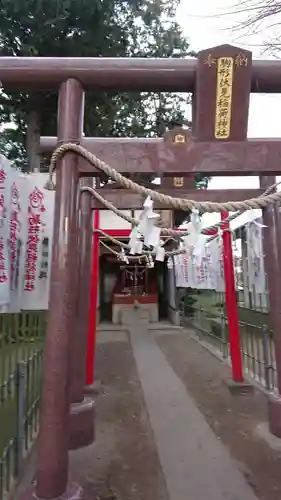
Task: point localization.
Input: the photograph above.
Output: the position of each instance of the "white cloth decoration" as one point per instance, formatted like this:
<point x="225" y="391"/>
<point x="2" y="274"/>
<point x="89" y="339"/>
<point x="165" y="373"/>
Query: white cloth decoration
<point x="148" y="203"/>
<point x="160" y="254"/>
<point x="195" y="227"/>
<point x="150" y="262"/>
<point x="147" y="226"/>
<point x="123" y="257"/>
<point x="170" y="264"/>
<point x="134" y="241"/>
<point x="258" y="223"/>
<point x="152" y="237"/>
<point x="139" y="247"/>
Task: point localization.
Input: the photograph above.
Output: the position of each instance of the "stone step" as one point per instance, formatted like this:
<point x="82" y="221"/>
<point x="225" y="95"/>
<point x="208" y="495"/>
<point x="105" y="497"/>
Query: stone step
<point x="133" y="317"/>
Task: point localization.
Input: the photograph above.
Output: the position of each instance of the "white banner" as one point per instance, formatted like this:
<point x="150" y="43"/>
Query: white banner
<point x="205" y="272"/>
<point x="26" y="228"/>
<point x="257" y="281"/>
<point x="38" y="233"/>
<point x="5" y="187"/>
<point x="17" y="223"/>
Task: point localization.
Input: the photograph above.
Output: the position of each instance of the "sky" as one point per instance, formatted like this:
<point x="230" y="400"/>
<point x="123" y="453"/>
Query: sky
<point x="215" y="27"/>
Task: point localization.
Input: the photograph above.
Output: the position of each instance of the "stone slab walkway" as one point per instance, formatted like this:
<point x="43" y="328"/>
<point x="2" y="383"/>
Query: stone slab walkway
<point x="196" y="465"/>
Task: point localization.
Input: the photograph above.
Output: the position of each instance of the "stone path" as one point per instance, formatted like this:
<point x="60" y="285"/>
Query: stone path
<point x="167" y="427"/>
<point x="196" y="465"/>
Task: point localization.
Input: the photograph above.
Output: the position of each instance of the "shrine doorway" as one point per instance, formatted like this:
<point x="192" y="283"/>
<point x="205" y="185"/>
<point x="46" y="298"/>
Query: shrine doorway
<point x="118" y="280"/>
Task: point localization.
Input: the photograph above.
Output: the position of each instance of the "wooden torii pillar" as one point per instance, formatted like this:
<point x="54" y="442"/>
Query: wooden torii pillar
<point x="217" y="150"/>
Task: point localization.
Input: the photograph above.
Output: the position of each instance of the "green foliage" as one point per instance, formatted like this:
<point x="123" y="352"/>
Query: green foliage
<point x="189" y="302"/>
<point x="93" y="28"/>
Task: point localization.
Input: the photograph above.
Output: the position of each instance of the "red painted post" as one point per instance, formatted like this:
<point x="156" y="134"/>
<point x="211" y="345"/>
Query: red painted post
<point x="231" y="304"/>
<point x="92" y="328"/>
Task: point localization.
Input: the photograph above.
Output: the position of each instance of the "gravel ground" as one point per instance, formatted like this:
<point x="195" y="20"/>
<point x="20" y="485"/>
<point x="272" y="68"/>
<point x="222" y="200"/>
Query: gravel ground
<point x="234" y="419"/>
<point x="123" y="462"/>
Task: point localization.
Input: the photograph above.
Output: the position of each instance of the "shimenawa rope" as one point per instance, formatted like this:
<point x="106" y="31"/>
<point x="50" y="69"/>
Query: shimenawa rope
<point x="262" y="201"/>
<point x="267" y="198"/>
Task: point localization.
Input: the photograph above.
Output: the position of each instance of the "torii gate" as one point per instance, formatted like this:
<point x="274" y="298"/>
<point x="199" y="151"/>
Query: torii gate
<point x="221" y="80"/>
<point x="120" y="153"/>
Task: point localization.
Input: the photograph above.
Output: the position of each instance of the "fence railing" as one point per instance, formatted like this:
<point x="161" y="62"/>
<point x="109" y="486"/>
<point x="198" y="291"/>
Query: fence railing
<point x="21" y="341"/>
<point x="207" y="315"/>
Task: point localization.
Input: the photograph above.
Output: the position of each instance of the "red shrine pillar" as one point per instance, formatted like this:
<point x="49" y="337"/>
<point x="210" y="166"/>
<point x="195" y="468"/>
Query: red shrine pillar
<point x="52" y="462"/>
<point x="92" y="318"/>
<point x="231" y="304"/>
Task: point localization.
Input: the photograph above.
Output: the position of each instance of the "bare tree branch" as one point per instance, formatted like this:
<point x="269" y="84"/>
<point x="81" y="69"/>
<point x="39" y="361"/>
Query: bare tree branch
<point x="262" y="17"/>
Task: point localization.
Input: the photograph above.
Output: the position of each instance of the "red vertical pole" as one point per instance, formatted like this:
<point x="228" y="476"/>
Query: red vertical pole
<point x="231" y="304"/>
<point x="92" y="328"/>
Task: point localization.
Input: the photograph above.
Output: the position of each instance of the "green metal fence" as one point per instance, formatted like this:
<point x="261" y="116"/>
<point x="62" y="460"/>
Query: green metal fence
<point x="21" y="342"/>
<point x="207" y="314"/>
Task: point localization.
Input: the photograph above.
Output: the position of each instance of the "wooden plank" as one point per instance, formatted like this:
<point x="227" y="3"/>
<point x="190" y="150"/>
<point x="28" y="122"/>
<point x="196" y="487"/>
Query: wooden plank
<point x="223" y="86"/>
<point x="214" y="159"/>
<point x="158" y="156"/>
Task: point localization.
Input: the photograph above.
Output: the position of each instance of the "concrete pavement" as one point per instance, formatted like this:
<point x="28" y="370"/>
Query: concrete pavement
<point x="196" y="465"/>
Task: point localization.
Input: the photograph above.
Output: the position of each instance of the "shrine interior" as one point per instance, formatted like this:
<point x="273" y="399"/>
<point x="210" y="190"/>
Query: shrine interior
<point x="130" y="286"/>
